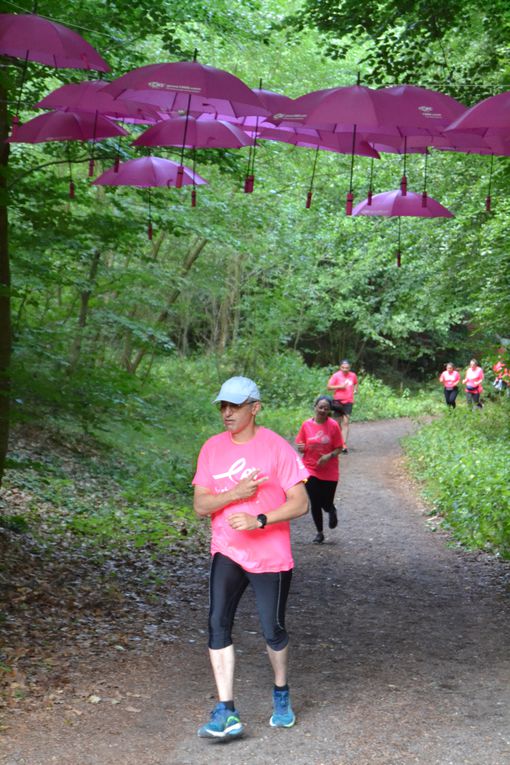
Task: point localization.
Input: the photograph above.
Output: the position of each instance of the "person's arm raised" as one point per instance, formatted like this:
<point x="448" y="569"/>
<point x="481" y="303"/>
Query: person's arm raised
<point x="207" y="503"/>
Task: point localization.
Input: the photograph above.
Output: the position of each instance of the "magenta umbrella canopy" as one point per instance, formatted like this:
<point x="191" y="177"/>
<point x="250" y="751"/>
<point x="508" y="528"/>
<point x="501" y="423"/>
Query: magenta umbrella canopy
<point x="275" y="103"/>
<point x="88" y="96"/>
<point x="412" y="107"/>
<point x="192" y="133"/>
<point x="394" y="203"/>
<point x="66" y="126"/>
<point x="190" y="78"/>
<point x="34" y="38"/>
<point x="490" y="114"/>
<point x="406" y="108"/>
<point x="326" y="141"/>
<point x="147" y="172"/>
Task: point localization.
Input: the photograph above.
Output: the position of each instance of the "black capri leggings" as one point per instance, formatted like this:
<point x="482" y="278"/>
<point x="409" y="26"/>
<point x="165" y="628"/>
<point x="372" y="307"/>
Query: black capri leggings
<point x="228" y="581"/>
<point x="322" y="497"/>
<point x="450" y="394"/>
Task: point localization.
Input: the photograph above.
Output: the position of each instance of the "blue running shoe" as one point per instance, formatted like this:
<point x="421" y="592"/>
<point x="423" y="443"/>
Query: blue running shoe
<point x="283" y="716"/>
<point x="224" y="723"/>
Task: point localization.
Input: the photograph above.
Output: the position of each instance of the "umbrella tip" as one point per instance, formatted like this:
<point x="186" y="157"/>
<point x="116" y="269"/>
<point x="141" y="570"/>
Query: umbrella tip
<point x="195" y="54"/>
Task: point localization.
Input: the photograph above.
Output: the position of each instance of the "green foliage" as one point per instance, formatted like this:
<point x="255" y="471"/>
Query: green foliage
<point x="457" y="47"/>
<point x="462" y="462"/>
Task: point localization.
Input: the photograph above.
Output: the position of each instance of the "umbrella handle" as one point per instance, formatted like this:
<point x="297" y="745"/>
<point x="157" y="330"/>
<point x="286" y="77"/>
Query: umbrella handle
<point x="348" y="203"/>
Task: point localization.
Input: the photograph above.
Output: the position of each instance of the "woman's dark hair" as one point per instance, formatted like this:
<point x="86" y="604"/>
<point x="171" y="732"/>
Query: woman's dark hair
<point x="324" y="398"/>
<point x="345" y="361"/>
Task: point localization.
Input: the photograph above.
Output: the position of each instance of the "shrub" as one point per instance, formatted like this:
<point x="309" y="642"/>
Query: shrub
<point x="462" y="461"/>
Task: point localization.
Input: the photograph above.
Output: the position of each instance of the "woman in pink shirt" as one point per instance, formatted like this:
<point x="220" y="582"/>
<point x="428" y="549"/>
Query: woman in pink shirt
<point x="320" y="442"/>
<point x="450" y="378"/>
<point x="473" y="379"/>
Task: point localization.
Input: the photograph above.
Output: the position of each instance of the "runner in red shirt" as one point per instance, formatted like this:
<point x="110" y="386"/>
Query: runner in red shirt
<point x="450" y="378"/>
<point x="344" y="383"/>
<point x="320" y="441"/>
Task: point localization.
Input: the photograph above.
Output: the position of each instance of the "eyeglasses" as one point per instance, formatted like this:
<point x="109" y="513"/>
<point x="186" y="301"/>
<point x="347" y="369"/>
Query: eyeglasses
<point x="234" y="407"/>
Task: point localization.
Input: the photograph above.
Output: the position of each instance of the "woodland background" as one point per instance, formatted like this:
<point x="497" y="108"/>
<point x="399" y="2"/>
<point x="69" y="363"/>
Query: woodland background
<point x="112" y="346"/>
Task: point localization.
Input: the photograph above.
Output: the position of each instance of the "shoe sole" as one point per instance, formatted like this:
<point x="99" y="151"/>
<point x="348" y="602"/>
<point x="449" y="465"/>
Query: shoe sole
<point x="233" y="731"/>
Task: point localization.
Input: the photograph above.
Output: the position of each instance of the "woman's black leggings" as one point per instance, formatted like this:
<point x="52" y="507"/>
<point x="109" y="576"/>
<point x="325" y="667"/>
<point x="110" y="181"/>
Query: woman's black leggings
<point x="228" y="581"/>
<point x="322" y="497"/>
<point x="450" y="395"/>
<point x="473" y="399"/>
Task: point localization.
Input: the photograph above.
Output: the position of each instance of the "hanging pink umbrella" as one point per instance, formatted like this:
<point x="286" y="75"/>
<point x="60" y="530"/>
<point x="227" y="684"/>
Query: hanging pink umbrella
<point x="146" y="172"/>
<point x="158" y="84"/>
<point x="149" y="172"/>
<point x="396" y="204"/>
<point x="34" y="38"/>
<point x="404" y="110"/>
<point x="188" y="132"/>
<point x="489" y="120"/>
<point x="491" y="114"/>
<point x="192" y="133"/>
<point x="89" y="96"/>
<point x="161" y="83"/>
<point x="66" y="126"/>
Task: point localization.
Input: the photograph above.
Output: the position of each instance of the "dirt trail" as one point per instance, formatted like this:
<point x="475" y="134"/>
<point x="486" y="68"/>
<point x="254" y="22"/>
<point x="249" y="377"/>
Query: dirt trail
<point x="400" y="653"/>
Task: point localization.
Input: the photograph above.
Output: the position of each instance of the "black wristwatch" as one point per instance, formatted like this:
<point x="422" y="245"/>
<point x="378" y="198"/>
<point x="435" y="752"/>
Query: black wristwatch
<point x="262" y="519"/>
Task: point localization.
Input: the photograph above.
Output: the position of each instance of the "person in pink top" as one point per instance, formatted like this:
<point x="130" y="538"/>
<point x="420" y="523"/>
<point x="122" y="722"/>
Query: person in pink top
<point x="250" y="482"/>
<point x="320" y="442"/>
<point x="450" y="379"/>
<point x="344" y="385"/>
<point x="501" y="373"/>
<point x="473" y="379"/>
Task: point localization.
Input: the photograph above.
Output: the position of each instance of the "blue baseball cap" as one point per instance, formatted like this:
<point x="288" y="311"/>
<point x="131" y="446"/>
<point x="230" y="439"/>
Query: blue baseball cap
<point x="237" y="390"/>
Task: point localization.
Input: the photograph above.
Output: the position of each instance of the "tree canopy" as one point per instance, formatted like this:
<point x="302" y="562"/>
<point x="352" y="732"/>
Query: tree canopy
<point x="93" y="300"/>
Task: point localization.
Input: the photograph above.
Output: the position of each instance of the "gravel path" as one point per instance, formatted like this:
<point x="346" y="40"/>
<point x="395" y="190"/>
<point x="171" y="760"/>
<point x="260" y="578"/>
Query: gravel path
<point x="400" y="653"/>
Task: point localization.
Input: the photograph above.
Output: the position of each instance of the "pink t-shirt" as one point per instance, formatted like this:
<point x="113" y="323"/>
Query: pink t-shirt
<point x="344" y="395"/>
<point x="474" y="379"/>
<point x="221" y="464"/>
<point x="449" y="379"/>
<point x="320" y="439"/>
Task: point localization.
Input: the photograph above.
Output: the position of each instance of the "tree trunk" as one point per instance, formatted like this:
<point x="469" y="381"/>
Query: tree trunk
<point x="191" y="256"/>
<point x="5" y="283"/>
<point x="84" y="311"/>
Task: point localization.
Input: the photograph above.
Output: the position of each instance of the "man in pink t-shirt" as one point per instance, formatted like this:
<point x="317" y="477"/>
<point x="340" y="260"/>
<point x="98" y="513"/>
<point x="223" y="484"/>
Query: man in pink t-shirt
<point x="249" y="481"/>
<point x="344" y="383"/>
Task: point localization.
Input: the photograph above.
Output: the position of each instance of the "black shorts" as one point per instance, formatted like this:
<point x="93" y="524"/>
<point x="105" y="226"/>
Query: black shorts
<point x="338" y="408"/>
